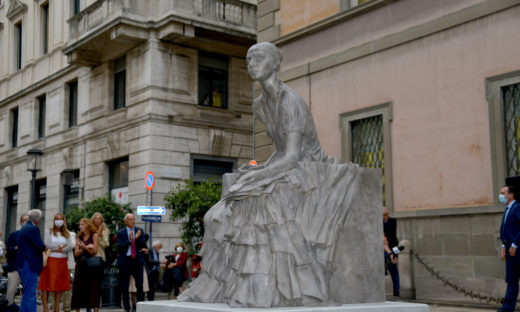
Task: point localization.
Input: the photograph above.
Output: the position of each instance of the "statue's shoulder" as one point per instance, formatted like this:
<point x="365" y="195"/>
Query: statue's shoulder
<point x="293" y="103"/>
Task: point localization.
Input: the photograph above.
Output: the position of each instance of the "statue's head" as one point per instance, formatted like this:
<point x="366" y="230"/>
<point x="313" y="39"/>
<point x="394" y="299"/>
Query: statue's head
<point x="263" y="59"/>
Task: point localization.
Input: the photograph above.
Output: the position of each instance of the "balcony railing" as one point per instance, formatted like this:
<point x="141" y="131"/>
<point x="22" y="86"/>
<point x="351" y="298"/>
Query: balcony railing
<point x="234" y="12"/>
<point x="94" y="15"/>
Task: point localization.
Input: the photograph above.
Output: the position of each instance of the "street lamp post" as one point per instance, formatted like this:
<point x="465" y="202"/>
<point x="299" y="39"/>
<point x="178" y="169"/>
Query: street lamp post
<point x="34" y="164"/>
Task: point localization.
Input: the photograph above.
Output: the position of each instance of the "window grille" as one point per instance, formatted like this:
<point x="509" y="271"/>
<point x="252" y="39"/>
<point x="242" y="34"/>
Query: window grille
<point x="368" y="145"/>
<point x="511" y="96"/>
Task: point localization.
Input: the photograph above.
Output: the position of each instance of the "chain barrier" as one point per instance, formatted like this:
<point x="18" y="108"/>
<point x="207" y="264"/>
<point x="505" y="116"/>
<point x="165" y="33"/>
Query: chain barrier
<point x="459" y="289"/>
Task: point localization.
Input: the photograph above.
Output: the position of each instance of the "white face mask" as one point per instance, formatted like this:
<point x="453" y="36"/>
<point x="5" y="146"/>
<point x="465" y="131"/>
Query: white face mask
<point x="179" y="249"/>
<point x="58" y="223"/>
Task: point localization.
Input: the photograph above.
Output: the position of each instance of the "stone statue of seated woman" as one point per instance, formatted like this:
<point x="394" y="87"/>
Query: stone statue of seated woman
<point x="270" y="240"/>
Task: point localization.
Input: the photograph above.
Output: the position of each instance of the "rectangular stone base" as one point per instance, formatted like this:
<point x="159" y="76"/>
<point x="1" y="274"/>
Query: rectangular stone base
<point x="174" y="306"/>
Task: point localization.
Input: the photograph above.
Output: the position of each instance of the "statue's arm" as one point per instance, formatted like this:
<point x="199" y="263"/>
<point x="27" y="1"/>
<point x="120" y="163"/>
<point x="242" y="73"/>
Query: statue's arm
<point x="291" y="156"/>
<point x="288" y="161"/>
<point x="245" y="168"/>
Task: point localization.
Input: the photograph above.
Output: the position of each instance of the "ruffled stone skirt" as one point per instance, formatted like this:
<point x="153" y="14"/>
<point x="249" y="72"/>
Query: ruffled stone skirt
<point x="271" y="243"/>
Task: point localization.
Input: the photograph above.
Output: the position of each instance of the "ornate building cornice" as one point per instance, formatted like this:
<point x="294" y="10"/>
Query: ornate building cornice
<point x="16" y="7"/>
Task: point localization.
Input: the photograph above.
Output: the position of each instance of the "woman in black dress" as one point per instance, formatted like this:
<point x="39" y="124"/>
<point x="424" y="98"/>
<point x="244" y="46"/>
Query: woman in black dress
<point x="85" y="289"/>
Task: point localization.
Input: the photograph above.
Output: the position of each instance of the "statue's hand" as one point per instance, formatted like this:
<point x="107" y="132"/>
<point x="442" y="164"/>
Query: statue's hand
<point x="253" y="175"/>
<point x="245" y="168"/>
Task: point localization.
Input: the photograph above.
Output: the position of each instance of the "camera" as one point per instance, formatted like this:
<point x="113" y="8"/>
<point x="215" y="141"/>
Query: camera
<point x="170" y="258"/>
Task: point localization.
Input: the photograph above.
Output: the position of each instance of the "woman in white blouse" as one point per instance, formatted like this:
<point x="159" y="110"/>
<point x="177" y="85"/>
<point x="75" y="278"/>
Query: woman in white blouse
<point x="55" y="275"/>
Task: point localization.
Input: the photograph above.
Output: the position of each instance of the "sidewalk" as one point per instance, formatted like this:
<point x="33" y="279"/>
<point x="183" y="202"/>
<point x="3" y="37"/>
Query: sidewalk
<point x="443" y="308"/>
<point x="434" y="306"/>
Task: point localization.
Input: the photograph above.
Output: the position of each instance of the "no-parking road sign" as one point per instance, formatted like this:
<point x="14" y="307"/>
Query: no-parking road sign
<point x="149" y="180"/>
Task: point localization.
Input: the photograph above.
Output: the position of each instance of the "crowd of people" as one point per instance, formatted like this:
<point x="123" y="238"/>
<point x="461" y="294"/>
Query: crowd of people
<point x="84" y="252"/>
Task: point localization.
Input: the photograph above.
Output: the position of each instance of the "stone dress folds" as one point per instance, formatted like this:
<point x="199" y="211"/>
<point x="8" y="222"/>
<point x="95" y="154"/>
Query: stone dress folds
<point x="270" y="242"/>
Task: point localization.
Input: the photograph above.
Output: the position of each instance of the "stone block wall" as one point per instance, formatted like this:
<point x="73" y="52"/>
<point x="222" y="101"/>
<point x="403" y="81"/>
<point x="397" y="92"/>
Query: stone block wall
<point x="463" y="248"/>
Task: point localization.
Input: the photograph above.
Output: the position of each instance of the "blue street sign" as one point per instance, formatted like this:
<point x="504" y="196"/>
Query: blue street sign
<point x="152" y="218"/>
<point x="151" y="210"/>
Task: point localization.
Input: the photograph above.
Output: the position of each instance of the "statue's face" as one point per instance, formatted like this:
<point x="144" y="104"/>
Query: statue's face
<point x="260" y="64"/>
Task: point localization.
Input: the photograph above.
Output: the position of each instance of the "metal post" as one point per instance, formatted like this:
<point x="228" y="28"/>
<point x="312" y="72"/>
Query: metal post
<point x="151" y="222"/>
<point x="33" y="204"/>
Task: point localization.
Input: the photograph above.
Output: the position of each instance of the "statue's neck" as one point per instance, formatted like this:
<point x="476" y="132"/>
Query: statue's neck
<point x="272" y="86"/>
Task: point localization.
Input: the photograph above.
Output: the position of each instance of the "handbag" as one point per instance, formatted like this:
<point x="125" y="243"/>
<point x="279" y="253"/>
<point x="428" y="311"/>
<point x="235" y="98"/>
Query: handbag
<point x="93" y="262"/>
<point x="46" y="256"/>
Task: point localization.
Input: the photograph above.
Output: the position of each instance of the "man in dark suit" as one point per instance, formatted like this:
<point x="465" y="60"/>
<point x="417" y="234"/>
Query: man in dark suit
<point x="510" y="237"/>
<point x="152" y="268"/>
<point x="130" y="260"/>
<point x="13" y="278"/>
<point x="390" y="230"/>
<point x="29" y="259"/>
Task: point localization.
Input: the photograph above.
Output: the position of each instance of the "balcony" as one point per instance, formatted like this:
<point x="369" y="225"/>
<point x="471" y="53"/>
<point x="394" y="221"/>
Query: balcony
<point x="108" y="28"/>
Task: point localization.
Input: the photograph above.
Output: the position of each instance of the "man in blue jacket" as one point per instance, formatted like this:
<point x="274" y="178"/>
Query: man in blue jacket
<point x="29" y="259"/>
<point x="13" y="278"/>
<point x="510" y="237"/>
<point x="130" y="260"/>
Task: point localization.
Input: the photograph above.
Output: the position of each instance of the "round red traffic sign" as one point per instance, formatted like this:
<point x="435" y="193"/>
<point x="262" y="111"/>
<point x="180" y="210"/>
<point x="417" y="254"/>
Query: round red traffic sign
<point x="149" y="180"/>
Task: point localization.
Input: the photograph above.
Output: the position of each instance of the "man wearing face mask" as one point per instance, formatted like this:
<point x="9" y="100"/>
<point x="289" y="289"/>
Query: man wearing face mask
<point x="178" y="266"/>
<point x="510" y="237"/>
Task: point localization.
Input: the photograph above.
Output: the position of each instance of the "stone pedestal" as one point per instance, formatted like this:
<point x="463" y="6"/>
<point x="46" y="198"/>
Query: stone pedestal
<point x="174" y="306"/>
<point x="358" y="265"/>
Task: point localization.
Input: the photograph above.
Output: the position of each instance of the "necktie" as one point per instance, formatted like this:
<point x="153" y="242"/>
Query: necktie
<point x="132" y="248"/>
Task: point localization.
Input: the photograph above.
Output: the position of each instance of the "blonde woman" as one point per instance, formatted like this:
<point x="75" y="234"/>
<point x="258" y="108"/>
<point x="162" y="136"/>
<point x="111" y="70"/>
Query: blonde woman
<point x="101" y="229"/>
<point x="85" y="293"/>
<point x="55" y="275"/>
<point x="103" y="234"/>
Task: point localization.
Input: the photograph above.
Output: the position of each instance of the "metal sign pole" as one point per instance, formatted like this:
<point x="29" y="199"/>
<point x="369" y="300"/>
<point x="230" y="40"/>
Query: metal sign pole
<point x="151" y="222"/>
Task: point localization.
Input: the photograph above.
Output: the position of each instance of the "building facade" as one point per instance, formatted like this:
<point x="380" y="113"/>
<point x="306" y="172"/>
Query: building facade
<point x="112" y="89"/>
<point x="428" y="91"/>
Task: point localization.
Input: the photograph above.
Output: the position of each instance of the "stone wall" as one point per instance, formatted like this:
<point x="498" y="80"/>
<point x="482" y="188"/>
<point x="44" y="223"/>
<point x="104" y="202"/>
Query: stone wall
<point x="463" y="248"/>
